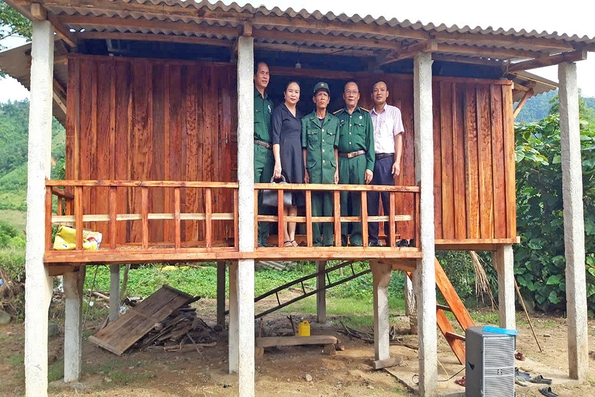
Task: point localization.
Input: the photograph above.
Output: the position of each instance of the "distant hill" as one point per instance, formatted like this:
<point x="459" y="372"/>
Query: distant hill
<point x="538" y="107"/>
<point x="14" y="122"/>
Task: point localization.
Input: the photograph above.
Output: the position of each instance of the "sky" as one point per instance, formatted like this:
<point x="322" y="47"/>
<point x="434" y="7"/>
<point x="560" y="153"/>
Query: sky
<point x="568" y="16"/>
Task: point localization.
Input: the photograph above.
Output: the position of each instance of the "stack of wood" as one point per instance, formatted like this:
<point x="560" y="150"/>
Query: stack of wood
<point x="180" y="331"/>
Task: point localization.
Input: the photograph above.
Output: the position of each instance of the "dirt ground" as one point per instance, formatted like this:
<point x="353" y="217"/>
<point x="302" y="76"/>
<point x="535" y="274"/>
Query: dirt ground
<point x="298" y="370"/>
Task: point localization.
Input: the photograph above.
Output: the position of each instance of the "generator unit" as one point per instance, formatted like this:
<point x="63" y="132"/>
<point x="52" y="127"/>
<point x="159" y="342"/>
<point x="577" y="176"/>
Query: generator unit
<point x="489" y="369"/>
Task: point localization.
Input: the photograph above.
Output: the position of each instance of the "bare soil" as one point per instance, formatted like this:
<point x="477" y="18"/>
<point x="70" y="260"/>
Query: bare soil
<point x="298" y="370"/>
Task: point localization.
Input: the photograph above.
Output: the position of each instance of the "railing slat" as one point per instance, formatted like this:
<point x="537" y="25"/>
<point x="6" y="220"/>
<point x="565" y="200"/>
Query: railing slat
<point x="113" y="213"/>
<point x="364" y="220"/>
<point x="391" y="219"/>
<point x="48" y="218"/>
<point x="145" y="216"/>
<point x="177" y="221"/>
<point x="280" y="218"/>
<point x="78" y="216"/>
<point x="309" y="237"/>
<point x="208" y="217"/>
<point x="337" y="216"/>
<point x="236" y="229"/>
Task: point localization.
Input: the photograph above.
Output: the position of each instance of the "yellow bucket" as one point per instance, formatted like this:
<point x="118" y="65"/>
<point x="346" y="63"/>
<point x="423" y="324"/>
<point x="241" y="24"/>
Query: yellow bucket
<point x="304" y="328"/>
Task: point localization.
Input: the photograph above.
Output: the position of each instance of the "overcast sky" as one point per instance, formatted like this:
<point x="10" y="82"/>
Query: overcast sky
<point x="568" y="16"/>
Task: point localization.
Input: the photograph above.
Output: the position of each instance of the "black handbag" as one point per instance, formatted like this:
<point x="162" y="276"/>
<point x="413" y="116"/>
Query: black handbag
<point x="269" y="197"/>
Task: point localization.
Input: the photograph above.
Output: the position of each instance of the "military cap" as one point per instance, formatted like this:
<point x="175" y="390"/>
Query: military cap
<point x="321" y="86"/>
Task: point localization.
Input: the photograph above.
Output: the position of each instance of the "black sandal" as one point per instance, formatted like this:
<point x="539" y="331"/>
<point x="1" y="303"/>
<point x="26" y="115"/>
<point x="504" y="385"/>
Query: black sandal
<point x="540" y="379"/>
<point x="547" y="391"/>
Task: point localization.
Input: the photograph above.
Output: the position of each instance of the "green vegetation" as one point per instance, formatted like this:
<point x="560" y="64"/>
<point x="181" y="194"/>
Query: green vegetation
<point x="539" y="259"/>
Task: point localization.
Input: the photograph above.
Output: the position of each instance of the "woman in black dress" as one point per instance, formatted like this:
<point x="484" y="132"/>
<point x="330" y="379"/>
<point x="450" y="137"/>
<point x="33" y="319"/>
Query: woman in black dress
<point x="287" y="148"/>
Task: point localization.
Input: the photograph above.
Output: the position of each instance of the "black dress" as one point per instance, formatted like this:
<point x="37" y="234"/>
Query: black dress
<point x="287" y="133"/>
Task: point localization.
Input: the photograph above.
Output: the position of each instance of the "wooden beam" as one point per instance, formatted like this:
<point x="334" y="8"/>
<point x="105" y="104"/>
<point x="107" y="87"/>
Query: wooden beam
<point x="549" y="61"/>
<point x="410" y="51"/>
<point x="328" y="39"/>
<point x="487" y="52"/>
<point x="464" y="59"/>
<point x="38" y="12"/>
<point x="192" y="27"/>
<point x="313" y="50"/>
<point x="522" y="102"/>
<point x="501" y="40"/>
<point x="272" y="341"/>
<point x="62" y="31"/>
<point x="154" y="37"/>
<point x="246" y="29"/>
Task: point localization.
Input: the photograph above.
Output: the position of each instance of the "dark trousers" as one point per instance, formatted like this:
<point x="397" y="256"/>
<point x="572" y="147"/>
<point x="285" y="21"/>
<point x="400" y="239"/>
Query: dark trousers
<point x="264" y="163"/>
<point x="322" y="205"/>
<point x="382" y="176"/>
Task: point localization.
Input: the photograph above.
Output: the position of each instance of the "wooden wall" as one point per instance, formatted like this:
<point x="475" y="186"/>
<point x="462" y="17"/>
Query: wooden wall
<point x="133" y="119"/>
<point x="173" y="120"/>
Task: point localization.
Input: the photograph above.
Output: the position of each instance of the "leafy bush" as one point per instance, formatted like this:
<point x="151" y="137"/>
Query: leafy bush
<point x="539" y="258"/>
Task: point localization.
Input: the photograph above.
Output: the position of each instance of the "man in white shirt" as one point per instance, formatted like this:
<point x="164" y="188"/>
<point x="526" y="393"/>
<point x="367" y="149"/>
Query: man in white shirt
<point x="388" y="145"/>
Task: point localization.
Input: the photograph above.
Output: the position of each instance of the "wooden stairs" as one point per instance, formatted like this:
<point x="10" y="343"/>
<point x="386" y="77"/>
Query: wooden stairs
<point x="456" y="307"/>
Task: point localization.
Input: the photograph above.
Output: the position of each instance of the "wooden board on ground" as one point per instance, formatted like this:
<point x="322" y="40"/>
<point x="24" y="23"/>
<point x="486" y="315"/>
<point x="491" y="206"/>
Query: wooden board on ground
<point x="271" y="341"/>
<point x="125" y="331"/>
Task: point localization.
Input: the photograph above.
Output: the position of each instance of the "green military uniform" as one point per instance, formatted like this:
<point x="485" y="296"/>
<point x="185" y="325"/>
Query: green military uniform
<point x="356" y="154"/>
<point x="320" y="142"/>
<point x="264" y="162"/>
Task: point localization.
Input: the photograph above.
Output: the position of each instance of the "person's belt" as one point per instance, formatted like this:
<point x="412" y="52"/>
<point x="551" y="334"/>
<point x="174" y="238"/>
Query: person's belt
<point x="380" y="156"/>
<point x="351" y="155"/>
<point x="263" y="144"/>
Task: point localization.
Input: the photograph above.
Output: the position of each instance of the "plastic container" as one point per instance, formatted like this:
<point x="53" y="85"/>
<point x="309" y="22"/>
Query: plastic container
<point x="304" y="328"/>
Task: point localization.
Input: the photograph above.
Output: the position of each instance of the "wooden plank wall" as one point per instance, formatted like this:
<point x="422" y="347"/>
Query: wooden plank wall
<point x="474" y="155"/>
<point x="140" y="119"/>
<point x="174" y="120"/>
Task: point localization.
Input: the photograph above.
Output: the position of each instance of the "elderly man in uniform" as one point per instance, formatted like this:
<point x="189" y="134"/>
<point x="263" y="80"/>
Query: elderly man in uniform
<point x="356" y="159"/>
<point x="319" y="143"/>
<point x="388" y="142"/>
<point x="263" y="155"/>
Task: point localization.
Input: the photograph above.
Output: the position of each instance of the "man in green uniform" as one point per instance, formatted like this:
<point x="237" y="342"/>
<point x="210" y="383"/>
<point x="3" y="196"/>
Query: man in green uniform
<point x="263" y="155"/>
<point x="356" y="159"/>
<point x="319" y="143"/>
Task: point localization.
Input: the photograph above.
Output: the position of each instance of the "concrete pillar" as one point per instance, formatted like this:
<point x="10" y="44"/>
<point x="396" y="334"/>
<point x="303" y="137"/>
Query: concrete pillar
<point x="381" y="273"/>
<point x="410" y="305"/>
<point x="424" y="276"/>
<point x="574" y="228"/>
<point x="114" y="292"/>
<point x="245" y="271"/>
<point x="503" y="259"/>
<point x="321" y="294"/>
<point x="221" y="293"/>
<point x="234" y="351"/>
<point x="38" y="289"/>
<point x="73" y="324"/>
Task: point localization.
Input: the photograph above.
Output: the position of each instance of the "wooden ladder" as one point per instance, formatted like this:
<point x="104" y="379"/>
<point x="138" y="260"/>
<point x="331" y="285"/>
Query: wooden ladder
<point x="456" y="307"/>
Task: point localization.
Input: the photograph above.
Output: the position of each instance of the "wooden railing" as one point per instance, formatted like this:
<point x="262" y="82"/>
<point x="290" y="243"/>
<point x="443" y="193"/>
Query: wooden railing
<point x="123" y="211"/>
<point x="393" y="191"/>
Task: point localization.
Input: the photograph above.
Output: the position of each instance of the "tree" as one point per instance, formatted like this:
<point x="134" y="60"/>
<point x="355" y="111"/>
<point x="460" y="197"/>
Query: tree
<point x="13" y="23"/>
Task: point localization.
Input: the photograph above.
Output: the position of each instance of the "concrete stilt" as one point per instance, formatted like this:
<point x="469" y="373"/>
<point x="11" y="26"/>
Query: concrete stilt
<point x="114" y="293"/>
<point x="503" y="259"/>
<point x="410" y="305"/>
<point x="321" y="294"/>
<point x="234" y="352"/>
<point x="245" y="267"/>
<point x="73" y="324"/>
<point x="38" y="289"/>
<point x="574" y="226"/>
<point x="381" y="273"/>
<point x="425" y="277"/>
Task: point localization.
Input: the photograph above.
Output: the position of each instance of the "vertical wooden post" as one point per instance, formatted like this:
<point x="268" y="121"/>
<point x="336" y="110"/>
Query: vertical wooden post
<point x="321" y="294"/>
<point x="337" y="217"/>
<point x="145" y="216"/>
<point x="177" y="221"/>
<point x="233" y="331"/>
<point x="48" y="218"/>
<point x="73" y="332"/>
<point x="221" y="293"/>
<point x="114" y="292"/>
<point x="113" y="214"/>
<point x="244" y="324"/>
<point x="38" y="289"/>
<point x="574" y="223"/>
<point x="78" y="216"/>
<point x="425" y="277"/>
<point x="392" y="231"/>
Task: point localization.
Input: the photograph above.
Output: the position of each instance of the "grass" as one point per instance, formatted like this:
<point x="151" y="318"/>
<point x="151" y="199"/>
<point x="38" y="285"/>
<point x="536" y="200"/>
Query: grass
<point x="18" y="219"/>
